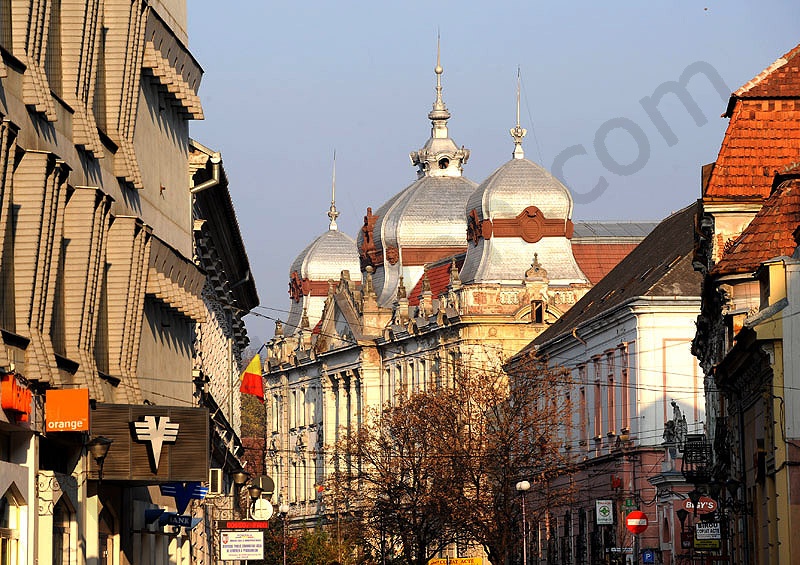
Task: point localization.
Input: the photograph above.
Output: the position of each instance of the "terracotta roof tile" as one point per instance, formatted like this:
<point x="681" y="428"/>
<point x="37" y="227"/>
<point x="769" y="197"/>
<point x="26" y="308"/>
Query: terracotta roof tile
<point x="438" y="274"/>
<point x="780" y="79"/>
<point x="763" y="135"/>
<point x="597" y="259"/>
<point x="769" y="235"/>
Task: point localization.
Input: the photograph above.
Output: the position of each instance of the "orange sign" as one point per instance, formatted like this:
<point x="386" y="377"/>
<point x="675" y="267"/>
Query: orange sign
<point x="67" y="410"/>
<point x="14" y="397"/>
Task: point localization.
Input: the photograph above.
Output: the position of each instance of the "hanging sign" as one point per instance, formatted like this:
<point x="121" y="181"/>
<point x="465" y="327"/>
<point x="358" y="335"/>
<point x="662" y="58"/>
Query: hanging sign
<point x="67" y="410"/>
<point x="604" y="512"/>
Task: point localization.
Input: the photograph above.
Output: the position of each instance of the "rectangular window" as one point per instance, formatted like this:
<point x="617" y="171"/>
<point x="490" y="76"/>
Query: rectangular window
<point x="598" y="398"/>
<point x="52" y="55"/>
<point x="624" y="385"/>
<point x="537" y="312"/>
<point x="612" y="393"/>
<point x="6" y="36"/>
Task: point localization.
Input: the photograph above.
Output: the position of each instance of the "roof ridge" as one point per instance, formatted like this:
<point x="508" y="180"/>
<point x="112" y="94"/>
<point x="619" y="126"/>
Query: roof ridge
<point x="760" y="77"/>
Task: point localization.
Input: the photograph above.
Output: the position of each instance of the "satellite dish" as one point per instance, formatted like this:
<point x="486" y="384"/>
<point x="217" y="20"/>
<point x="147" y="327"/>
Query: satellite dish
<point x="262" y="510"/>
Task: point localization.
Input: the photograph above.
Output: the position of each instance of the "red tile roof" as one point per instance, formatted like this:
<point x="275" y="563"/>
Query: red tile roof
<point x="597" y="259"/>
<point x="769" y="235"/>
<point x="780" y="79"/>
<point x="763" y="135"/>
<point x="438" y="274"/>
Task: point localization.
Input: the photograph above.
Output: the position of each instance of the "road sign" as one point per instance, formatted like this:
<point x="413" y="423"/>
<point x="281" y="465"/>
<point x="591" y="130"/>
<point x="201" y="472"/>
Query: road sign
<point x="636" y="522"/>
<point x="648" y="556"/>
<point x="604" y="511"/>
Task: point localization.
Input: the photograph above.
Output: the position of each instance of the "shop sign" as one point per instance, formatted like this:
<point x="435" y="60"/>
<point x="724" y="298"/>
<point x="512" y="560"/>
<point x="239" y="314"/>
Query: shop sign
<point x="709" y="544"/>
<point x="604" y="512"/>
<point x="153" y="444"/>
<point x="240" y="545"/>
<point x="14" y="397"/>
<point x="242" y="524"/>
<point x="705" y="505"/>
<point x="67" y="410"/>
<point x="456" y="561"/>
<point x="707" y="530"/>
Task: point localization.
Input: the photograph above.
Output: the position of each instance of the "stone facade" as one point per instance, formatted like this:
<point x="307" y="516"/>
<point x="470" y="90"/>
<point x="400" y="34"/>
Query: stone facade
<point x="105" y="279"/>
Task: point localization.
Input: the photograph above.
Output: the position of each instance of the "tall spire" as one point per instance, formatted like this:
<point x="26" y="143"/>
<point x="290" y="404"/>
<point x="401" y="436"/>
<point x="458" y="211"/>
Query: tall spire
<point x="440" y="157"/>
<point x="332" y="212"/>
<point x="439" y="114"/>
<point x="518" y="132"/>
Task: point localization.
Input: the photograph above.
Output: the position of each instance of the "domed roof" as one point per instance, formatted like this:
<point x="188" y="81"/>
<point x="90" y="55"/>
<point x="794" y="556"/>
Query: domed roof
<point x="425" y="221"/>
<point x="517" y="184"/>
<point x="519" y="211"/>
<point x="326" y="257"/>
<point x="322" y="260"/>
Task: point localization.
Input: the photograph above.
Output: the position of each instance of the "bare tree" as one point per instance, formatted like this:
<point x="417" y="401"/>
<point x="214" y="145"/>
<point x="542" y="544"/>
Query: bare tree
<point x="442" y="465"/>
<point x="397" y="481"/>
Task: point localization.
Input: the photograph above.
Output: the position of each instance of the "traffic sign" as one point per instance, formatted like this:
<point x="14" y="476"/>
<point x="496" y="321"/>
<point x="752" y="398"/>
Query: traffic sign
<point x="636" y="522"/>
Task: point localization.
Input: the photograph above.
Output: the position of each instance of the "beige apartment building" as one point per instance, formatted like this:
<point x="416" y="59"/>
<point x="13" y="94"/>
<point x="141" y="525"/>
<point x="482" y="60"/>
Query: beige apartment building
<point x="120" y="312"/>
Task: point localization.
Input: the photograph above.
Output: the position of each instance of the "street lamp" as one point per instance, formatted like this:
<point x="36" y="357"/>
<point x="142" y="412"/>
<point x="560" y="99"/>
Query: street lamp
<point x="522" y="488"/>
<point x="283" y="509"/>
<point x="98" y="448"/>
<point x="255" y="493"/>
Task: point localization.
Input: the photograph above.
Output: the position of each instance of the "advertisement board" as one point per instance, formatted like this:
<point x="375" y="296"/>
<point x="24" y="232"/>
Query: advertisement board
<point x="239" y="545"/>
<point x="67" y="410"/>
<point x="708" y="530"/>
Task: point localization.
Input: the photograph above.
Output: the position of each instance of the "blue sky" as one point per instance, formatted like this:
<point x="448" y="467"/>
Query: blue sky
<point x="286" y="83"/>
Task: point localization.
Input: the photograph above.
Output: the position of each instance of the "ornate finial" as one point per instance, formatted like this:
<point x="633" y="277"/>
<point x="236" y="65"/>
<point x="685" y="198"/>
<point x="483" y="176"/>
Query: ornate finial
<point x="278" y="328"/>
<point x="536" y="272"/>
<point x="401" y="289"/>
<point x="518" y="132"/>
<point x="439" y="114"/>
<point x="332" y="212"/>
<point x="426" y="284"/>
<point x="440" y="157"/>
<point x="304" y="323"/>
<point x="454" y="278"/>
<point x="369" y="289"/>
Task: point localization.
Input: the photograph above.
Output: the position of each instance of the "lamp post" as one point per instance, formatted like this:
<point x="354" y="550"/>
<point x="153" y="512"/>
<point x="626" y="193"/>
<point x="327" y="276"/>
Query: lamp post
<point x="522" y="488"/>
<point x="284" y="512"/>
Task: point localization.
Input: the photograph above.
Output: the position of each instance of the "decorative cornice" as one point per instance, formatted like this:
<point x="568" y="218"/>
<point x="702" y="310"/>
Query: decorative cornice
<point x="531" y="225"/>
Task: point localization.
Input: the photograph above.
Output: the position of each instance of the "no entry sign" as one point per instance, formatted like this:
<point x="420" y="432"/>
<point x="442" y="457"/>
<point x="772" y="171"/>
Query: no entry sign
<point x="636" y="522"/>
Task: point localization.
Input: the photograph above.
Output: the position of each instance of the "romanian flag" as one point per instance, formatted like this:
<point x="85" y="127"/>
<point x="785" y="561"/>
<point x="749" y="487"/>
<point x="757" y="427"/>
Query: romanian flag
<point x="251" y="382"/>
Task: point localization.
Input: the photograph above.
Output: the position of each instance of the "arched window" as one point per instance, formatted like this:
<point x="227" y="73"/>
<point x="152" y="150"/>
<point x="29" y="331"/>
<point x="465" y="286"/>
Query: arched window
<point x="62" y="521"/>
<point x="9" y="529"/>
<point x="107" y="534"/>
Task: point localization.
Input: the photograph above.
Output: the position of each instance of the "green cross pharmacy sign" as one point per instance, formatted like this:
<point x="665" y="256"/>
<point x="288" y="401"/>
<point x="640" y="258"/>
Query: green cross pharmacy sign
<point x="604" y="512"/>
